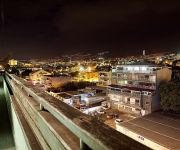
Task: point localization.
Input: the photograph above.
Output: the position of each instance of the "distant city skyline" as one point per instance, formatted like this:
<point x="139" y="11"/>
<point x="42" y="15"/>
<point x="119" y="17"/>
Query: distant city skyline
<point x="44" y="29"/>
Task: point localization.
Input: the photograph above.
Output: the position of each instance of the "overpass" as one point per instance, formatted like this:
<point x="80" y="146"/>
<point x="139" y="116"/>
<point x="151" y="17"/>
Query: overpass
<point x="39" y="121"/>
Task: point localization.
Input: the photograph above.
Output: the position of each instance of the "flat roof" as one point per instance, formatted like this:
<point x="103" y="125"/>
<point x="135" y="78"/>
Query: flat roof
<point x="75" y="92"/>
<point x="159" y="127"/>
<point x="64" y="95"/>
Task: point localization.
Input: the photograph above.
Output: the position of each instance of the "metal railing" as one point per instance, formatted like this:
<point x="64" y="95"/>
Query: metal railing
<point x="91" y="132"/>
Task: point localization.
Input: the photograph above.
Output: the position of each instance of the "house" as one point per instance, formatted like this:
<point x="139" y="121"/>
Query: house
<point x="38" y="75"/>
<point x="55" y="81"/>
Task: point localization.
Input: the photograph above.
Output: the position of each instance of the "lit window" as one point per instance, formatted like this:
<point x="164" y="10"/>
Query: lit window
<point x="144" y="68"/>
<point x="136" y="68"/>
<point x="129" y="68"/>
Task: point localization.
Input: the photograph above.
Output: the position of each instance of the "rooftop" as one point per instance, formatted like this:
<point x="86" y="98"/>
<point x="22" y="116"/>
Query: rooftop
<point x="64" y="95"/>
<point x="158" y="127"/>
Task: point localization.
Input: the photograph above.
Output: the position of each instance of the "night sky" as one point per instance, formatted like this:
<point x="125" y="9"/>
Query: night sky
<point x="50" y="28"/>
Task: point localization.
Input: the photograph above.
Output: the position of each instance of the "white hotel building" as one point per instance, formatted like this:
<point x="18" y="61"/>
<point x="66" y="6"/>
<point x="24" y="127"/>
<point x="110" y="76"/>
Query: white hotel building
<point x="134" y="88"/>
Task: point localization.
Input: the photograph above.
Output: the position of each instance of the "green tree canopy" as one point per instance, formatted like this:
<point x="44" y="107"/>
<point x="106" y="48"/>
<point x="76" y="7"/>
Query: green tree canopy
<point x="170" y="96"/>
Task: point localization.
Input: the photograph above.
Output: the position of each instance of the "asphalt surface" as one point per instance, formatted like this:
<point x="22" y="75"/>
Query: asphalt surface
<point x="6" y="137"/>
<point x="158" y="127"/>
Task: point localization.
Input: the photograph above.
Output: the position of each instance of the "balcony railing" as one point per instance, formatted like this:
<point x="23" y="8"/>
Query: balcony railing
<point x="135" y="105"/>
<point x="124" y="94"/>
<point x="59" y="117"/>
<point x="141" y="86"/>
<point x="134" y="71"/>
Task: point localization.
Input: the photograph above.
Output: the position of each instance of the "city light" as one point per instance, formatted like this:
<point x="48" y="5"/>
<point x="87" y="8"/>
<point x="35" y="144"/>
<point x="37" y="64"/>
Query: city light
<point x="89" y="69"/>
<point x="100" y="75"/>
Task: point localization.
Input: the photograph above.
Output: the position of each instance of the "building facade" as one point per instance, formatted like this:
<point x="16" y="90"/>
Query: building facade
<point x="38" y="75"/>
<point x="13" y="62"/>
<point x="134" y="88"/>
<point x="104" y="78"/>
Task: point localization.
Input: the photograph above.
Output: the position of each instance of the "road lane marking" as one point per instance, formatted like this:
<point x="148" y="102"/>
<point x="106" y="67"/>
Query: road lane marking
<point x="161" y="124"/>
<point x="154" y="131"/>
<point x="168" y="118"/>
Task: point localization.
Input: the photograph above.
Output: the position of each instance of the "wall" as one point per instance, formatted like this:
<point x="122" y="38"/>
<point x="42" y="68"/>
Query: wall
<point x="163" y="75"/>
<point x="19" y="137"/>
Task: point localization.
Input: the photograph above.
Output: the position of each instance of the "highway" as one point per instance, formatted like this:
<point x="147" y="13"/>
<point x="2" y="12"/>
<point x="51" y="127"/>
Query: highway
<point x="6" y="137"/>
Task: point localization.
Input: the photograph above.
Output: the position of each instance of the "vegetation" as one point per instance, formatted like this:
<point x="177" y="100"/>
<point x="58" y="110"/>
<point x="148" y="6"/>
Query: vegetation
<point x="71" y="86"/>
<point x="74" y="74"/>
<point x="170" y="96"/>
<point x="12" y="70"/>
<point x="26" y="73"/>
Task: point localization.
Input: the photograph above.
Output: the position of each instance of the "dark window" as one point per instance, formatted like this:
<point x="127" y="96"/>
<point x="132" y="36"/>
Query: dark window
<point x="136" y="101"/>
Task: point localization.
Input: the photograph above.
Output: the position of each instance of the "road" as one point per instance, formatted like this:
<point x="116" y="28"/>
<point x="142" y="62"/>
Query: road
<point x="6" y="137"/>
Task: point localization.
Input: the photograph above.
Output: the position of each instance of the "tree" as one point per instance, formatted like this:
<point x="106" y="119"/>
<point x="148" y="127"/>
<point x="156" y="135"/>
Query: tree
<point x="73" y="86"/>
<point x="26" y="73"/>
<point x="74" y="74"/>
<point x="170" y="96"/>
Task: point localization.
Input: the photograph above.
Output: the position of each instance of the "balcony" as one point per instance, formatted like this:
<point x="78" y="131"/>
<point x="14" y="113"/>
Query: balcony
<point x="124" y="94"/>
<point x="141" y="86"/>
<point x="134" y="105"/>
<point x="147" y="98"/>
<point x="59" y="126"/>
<point x="135" y="71"/>
<point x="136" y="79"/>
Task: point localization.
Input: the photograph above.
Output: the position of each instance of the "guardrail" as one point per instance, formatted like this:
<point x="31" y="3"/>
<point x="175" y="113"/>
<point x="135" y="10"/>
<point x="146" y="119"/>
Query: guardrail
<point x="92" y="133"/>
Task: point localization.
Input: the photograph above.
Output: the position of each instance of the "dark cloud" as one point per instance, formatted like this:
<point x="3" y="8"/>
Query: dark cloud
<point x="43" y="28"/>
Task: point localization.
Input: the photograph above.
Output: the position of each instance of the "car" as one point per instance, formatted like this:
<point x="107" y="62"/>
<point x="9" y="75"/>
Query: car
<point x="83" y="108"/>
<point x="110" y="116"/>
<point x="118" y="120"/>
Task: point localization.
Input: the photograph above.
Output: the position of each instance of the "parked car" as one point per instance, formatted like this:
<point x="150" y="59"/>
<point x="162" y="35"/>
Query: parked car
<point x="83" y="108"/>
<point x="110" y="116"/>
<point x="118" y="120"/>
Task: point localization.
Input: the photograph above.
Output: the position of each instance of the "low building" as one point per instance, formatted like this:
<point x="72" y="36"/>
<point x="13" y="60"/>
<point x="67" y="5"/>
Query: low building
<point x="92" y="100"/>
<point x="87" y="97"/>
<point x="13" y="62"/>
<point x="38" y="75"/>
<point x="135" y="89"/>
<point x="55" y="81"/>
<point x="65" y="97"/>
